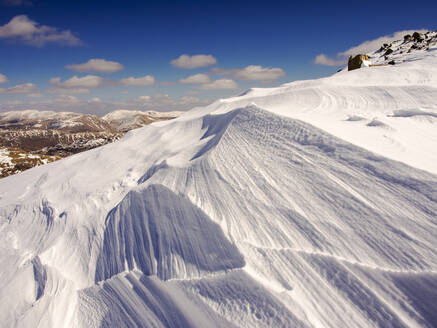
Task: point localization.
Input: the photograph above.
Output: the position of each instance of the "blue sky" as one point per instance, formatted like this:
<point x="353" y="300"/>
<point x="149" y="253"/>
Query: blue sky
<point x="229" y="46"/>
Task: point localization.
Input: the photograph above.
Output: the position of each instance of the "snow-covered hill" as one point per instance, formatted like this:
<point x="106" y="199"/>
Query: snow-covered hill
<point x="313" y="204"/>
<point x="126" y="120"/>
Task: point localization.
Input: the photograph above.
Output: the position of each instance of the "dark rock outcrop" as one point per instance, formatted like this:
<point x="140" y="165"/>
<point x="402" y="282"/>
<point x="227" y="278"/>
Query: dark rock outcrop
<point x="418" y="36"/>
<point x="356" y="61"/>
<point x="388" y="52"/>
<point x="408" y="37"/>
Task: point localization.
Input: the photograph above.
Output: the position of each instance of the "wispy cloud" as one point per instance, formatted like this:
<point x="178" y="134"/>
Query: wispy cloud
<point x="196" y="79"/>
<point x="167" y="103"/>
<point x="82" y="85"/>
<point x="88" y="81"/>
<point x="66" y="91"/>
<point x="66" y="99"/>
<point x="35" y="95"/>
<point x="251" y="73"/>
<point x="138" y="81"/>
<point x="363" y="48"/>
<point x="76" y="85"/>
<point x="97" y="65"/>
<point x="20" y="89"/>
<point x="3" y="78"/>
<point x="220" y="84"/>
<point x="259" y="73"/>
<point x="325" y="60"/>
<point x="190" y="62"/>
<point x="21" y="28"/>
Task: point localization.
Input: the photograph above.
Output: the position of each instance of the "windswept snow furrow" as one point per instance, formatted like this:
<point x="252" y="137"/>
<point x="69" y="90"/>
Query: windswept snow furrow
<point x="243" y="301"/>
<point x="335" y="220"/>
<point x="32" y="294"/>
<point x="163" y="234"/>
<point x="135" y="300"/>
<point x="364" y="296"/>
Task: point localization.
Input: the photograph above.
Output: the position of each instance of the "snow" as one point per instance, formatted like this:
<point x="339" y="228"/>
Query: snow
<point x="36" y="115"/>
<point x="365" y="63"/>
<point x="310" y="205"/>
<point x="122" y="114"/>
<point x="125" y="120"/>
<point x="4" y="158"/>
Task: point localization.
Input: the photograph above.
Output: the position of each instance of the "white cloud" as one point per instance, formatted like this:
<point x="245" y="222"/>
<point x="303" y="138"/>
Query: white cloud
<point x="20" y="89"/>
<point x="35" y="95"/>
<point x="192" y="92"/>
<point x="97" y="65"/>
<point x="94" y="100"/>
<point x="196" y="79"/>
<point x="224" y="71"/>
<point x="251" y="73"/>
<point x="324" y="60"/>
<point x="363" y="48"/>
<point x="167" y="103"/>
<point x="64" y="91"/>
<point x="88" y="81"/>
<point x="55" y="80"/>
<point x="143" y="98"/>
<point x="15" y="102"/>
<point x="259" y="73"/>
<point x="189" y="100"/>
<point x="28" y="31"/>
<point x="189" y="62"/>
<point x="76" y="85"/>
<point x="66" y="99"/>
<point x="3" y="78"/>
<point x="220" y="85"/>
<point x="138" y="81"/>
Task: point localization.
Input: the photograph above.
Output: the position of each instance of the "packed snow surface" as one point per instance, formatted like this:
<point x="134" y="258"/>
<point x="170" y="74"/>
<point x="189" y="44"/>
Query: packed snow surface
<point x="313" y="204"/>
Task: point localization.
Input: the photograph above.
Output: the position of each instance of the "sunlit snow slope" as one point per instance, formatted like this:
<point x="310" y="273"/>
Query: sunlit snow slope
<point x="309" y="205"/>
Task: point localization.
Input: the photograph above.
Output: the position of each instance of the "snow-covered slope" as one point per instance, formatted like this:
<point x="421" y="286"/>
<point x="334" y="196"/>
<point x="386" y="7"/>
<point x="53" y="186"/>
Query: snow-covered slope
<point x="15" y="160"/>
<point x="309" y="205"/>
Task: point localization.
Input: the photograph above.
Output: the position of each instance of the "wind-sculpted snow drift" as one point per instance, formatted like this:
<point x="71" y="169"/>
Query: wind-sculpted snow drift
<point x="160" y="233"/>
<point x="237" y="216"/>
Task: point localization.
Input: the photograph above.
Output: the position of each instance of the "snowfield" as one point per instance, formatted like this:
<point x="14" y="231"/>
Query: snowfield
<point x="313" y="204"/>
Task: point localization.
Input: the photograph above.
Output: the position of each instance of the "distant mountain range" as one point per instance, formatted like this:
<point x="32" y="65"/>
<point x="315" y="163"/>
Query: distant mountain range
<point x="30" y="137"/>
